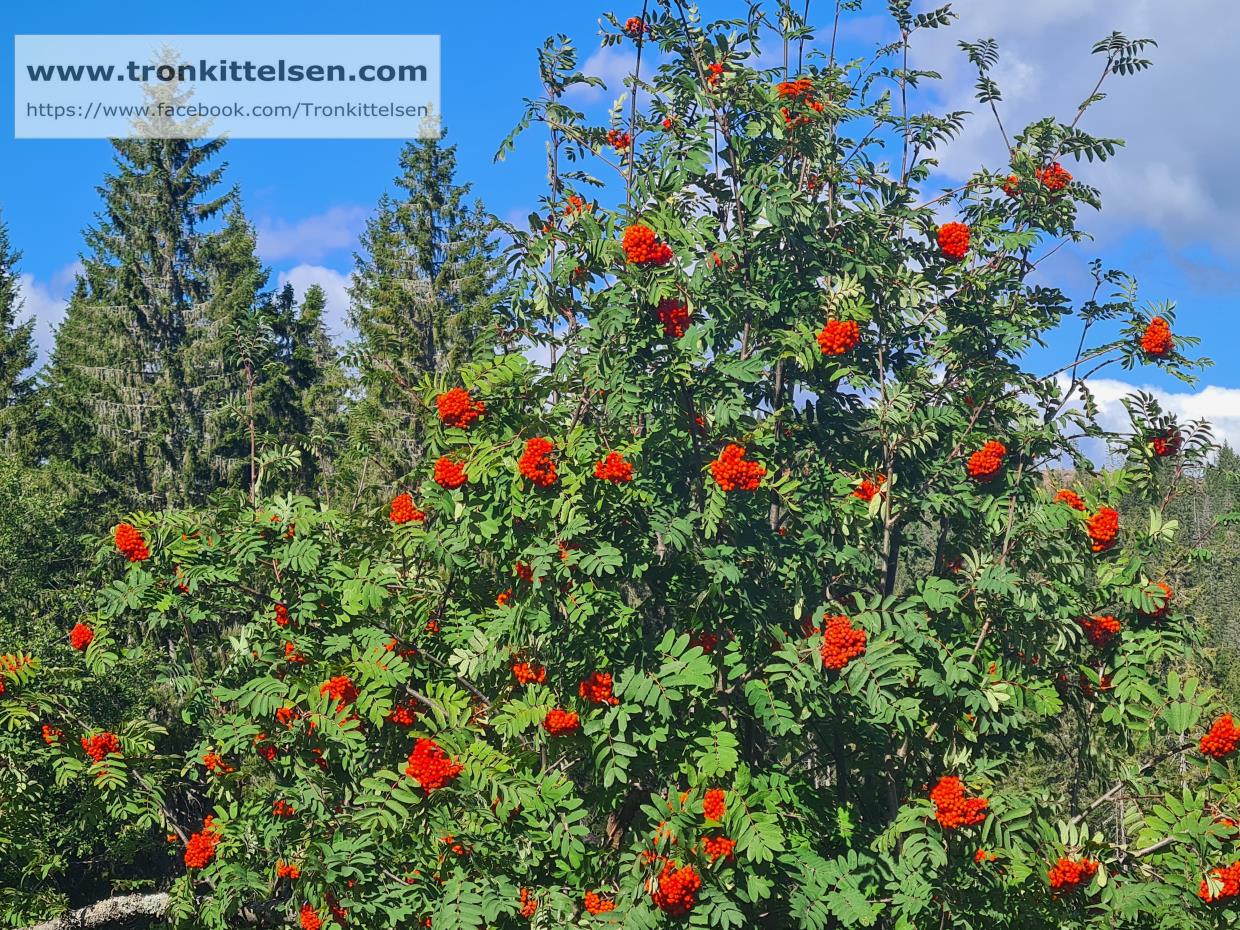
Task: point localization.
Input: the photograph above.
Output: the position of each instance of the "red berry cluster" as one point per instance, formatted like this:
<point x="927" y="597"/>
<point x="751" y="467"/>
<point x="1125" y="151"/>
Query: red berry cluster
<point x="430" y="766"/>
<point x="954" y="240"/>
<point x="839" y="337"/>
<point x="458" y="409"/>
<point x="715" y="804"/>
<point x="676" y="890"/>
<point x="987" y="461"/>
<point x="1167" y="595"/>
<point x="1011" y="186"/>
<point x="952" y="809"/>
<point x="1071" y="498"/>
<point x="1103" y="529"/>
<point x="1070" y="874"/>
<point x="841" y="642"/>
<point x="614" y="468"/>
<point x="1166" y="443"/>
<point x="619" y="140"/>
<point x="868" y="489"/>
<point x="52" y="735"/>
<point x="403" y="714"/>
<point x="80" y="636"/>
<point x="634" y="26"/>
<point x="535" y="462"/>
<point x="674" y="315"/>
<point x="524" y="571"/>
<point x="560" y="722"/>
<point x="598" y="905"/>
<point x="1100" y="629"/>
<point x="130" y="542"/>
<point x="1157" y="341"/>
<point x="704" y="641"/>
<point x="1228" y="879"/>
<point x="1222" y="739"/>
<point x="101" y="745"/>
<point x="1054" y="177"/>
<point x="214" y="763"/>
<point x="287" y="870"/>
<point x="982" y="856"/>
<point x="597" y="689"/>
<point x="529" y="904"/>
<point x="283" y="809"/>
<point x="200" y="848"/>
<point x="340" y="689"/>
<point x="527" y="673"/>
<point x="716" y="73"/>
<point x="799" y="91"/>
<point x="281" y="615"/>
<point x="403" y="510"/>
<point x="292" y="655"/>
<point x="642" y="248"/>
<point x="732" y="472"/>
<point x="449" y="474"/>
<point x="718" y="847"/>
<point x="309" y="918"/>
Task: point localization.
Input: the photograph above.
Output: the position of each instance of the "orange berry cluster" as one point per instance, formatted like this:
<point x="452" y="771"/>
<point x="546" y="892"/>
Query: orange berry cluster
<point x="1054" y="177"/>
<point x="52" y="735"/>
<point x="1100" y="629"/>
<point x="282" y="809"/>
<point x="1070" y="874"/>
<point x="309" y="918"/>
<point x="80" y="636"/>
<point x="982" y="856"/>
<point x="449" y="474"/>
<point x="130" y="542"/>
<point x="292" y="655"/>
<point x="282" y="619"/>
<point x="598" y="905"/>
<point x="1071" y="498"/>
<point x="841" y="642"/>
<point x="200" y="848"/>
<point x="869" y="488"/>
<point x="597" y="689"/>
<point x="1167" y="443"/>
<point x="986" y="462"/>
<point x="1222" y="739"/>
<point x="527" y="673"/>
<point x="715" y="804"/>
<point x="1228" y="878"/>
<point x="559" y="722"/>
<point x="676" y="890"/>
<point x="1156" y="341"/>
<point x="1103" y="529"/>
<point x="634" y="26"/>
<point x="524" y="571"/>
<point x="101" y="745"/>
<point x="674" y="315"/>
<point x="839" y="336"/>
<point x="619" y="140"/>
<point x="642" y="248"/>
<point x="458" y="409"/>
<point x="716" y="73"/>
<point x="340" y="689"/>
<point x="214" y="763"/>
<point x="613" y="468"/>
<point x="403" y="510"/>
<point x="718" y="847"/>
<point x="952" y="809"/>
<point x="430" y="766"/>
<point x="799" y="91"/>
<point x="403" y="713"/>
<point x="535" y="462"/>
<point x="732" y="472"/>
<point x="287" y="870"/>
<point x="1011" y="186"/>
<point x="954" y="240"/>
<point x="529" y="904"/>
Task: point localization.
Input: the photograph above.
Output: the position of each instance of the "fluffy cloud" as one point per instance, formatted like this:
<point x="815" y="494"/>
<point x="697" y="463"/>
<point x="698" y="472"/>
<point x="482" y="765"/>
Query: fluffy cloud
<point x="45" y="303"/>
<point x="312" y="238"/>
<point x="613" y="64"/>
<point x="1175" y="174"/>
<point x="335" y="286"/>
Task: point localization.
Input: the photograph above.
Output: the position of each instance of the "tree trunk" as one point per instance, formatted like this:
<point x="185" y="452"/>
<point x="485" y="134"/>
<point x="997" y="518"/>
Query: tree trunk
<point x="126" y="911"/>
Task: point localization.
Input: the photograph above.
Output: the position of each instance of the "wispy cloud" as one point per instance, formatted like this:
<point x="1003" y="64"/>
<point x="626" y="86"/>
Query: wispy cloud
<point x="335" y="286"/>
<point x="311" y="238"/>
<point x="45" y="303"/>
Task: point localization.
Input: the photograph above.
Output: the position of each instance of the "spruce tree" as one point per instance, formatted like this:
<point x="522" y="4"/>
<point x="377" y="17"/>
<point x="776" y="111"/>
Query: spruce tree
<point x="17" y="354"/>
<point x="136" y="375"/>
<point x="422" y="298"/>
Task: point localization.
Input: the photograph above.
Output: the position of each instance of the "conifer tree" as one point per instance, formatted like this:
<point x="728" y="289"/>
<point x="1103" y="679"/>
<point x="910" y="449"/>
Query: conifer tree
<point x="422" y="298"/>
<point x="17" y="353"/>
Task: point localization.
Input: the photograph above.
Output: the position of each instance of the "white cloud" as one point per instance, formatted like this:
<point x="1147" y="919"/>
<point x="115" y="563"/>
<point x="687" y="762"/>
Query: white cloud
<point x="313" y="237"/>
<point x="613" y="64"/>
<point x="1219" y="406"/>
<point x="1175" y="173"/>
<point x="335" y="286"/>
<point x="45" y="303"/>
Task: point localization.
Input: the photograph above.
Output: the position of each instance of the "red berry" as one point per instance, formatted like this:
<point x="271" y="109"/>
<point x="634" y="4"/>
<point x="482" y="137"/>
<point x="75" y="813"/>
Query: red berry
<point x="340" y="689"/>
<point x="1227" y="878"/>
<point x="1222" y="739"/>
<point x="200" y="848"/>
<point x="986" y="462"/>
<point x="561" y="722"/>
<point x="676" y="889"/>
<point x="536" y="463"/>
<point x="1070" y="874"/>
<point x="952" y="809"/>
<point x="430" y="766"/>
<point x="403" y="511"/>
<point x="674" y="315"/>
<point x="954" y="240"/>
<point x="1071" y="498"/>
<point x="101" y="745"/>
<point x="718" y="847"/>
<point x="1100" y="629"/>
<point x="732" y="472"/>
<point x="714" y="804"/>
<point x="1157" y="340"/>
<point x="1054" y="177"/>
<point x="597" y="689"/>
<point x="841" y="642"/>
<point x="642" y="248"/>
<point x="449" y="474"/>
<point x="598" y="905"/>
<point x="80" y="636"/>
<point x="1103" y="529"/>
<point x="839" y="336"/>
<point x="614" y="468"/>
<point x="457" y="409"/>
<point x="130" y="542"/>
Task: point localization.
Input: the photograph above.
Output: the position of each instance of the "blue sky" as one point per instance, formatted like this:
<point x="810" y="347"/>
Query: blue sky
<point x="1171" y="196"/>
